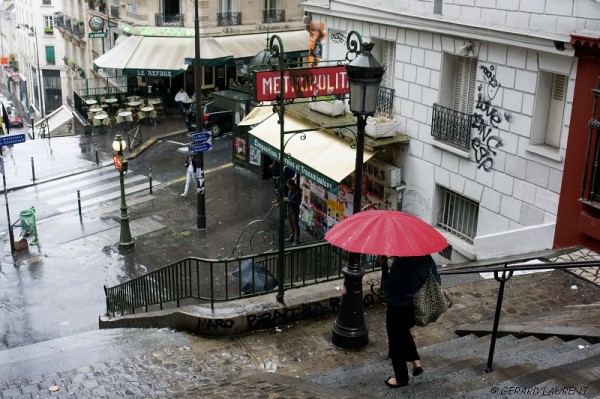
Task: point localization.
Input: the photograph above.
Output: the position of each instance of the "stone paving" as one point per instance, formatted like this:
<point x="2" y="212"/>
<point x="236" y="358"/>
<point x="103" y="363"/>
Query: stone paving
<point x="257" y="365"/>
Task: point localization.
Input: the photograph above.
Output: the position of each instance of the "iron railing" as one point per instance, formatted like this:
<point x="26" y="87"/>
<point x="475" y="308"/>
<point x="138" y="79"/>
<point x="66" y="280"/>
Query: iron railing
<point x="273" y="16"/>
<point x="229" y="18"/>
<point x="59" y="21"/>
<point x="502" y="273"/>
<point x="162" y="19"/>
<point x="196" y="280"/>
<point x="385" y="102"/>
<point x="459" y="215"/>
<point x="453" y="127"/>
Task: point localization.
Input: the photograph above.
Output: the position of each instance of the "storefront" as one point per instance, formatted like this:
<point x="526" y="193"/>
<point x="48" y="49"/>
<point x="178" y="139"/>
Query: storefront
<point x="325" y="164"/>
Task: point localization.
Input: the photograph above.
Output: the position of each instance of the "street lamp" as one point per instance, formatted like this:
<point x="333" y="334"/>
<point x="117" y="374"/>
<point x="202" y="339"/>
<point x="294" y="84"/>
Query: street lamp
<point x="31" y="112"/>
<point x="364" y="78"/>
<point x="119" y="145"/>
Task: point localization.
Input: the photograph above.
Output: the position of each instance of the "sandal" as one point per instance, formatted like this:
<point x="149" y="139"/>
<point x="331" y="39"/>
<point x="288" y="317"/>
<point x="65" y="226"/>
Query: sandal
<point x="398" y="385"/>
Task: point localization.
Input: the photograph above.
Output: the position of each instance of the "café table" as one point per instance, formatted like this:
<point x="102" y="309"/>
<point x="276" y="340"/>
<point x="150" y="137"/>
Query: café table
<point x="148" y="108"/>
<point x="101" y="117"/>
<point x="153" y="101"/>
<point x="134" y="103"/>
<point x="111" y="100"/>
<point x="91" y="102"/>
<point x="125" y="114"/>
<point x="96" y="109"/>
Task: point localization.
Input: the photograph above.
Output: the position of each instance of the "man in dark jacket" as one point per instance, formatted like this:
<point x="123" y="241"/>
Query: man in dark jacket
<point x="292" y="200"/>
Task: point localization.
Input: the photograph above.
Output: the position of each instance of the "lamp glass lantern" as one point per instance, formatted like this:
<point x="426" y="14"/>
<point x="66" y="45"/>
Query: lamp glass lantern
<point x="119" y="144"/>
<point x="364" y="78"/>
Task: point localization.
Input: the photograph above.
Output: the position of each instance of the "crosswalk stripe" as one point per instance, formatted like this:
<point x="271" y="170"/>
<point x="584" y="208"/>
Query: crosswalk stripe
<point x="113" y="208"/>
<point x="95" y="189"/>
<point x="106" y="197"/>
<point x="88" y="175"/>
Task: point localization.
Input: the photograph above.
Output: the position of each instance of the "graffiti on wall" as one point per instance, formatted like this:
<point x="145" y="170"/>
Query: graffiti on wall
<point x="337" y="36"/>
<point x="416" y="202"/>
<point x="486" y="119"/>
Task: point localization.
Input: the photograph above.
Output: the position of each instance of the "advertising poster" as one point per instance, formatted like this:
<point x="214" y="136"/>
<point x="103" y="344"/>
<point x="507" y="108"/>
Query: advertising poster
<point x="240" y="148"/>
<point x="255" y="154"/>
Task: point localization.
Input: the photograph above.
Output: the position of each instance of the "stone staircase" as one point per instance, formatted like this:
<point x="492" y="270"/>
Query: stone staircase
<point x="161" y="363"/>
<point x="455" y="369"/>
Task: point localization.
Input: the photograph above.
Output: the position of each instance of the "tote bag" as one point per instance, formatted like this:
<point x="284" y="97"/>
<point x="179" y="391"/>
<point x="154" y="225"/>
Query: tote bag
<point x="430" y="302"/>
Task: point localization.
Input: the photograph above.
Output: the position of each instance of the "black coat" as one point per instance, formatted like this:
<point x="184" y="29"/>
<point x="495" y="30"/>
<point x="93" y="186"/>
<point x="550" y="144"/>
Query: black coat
<point x="407" y="275"/>
<point x="194" y="165"/>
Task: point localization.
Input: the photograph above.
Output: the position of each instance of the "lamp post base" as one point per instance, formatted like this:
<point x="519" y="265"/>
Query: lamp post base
<point x="349" y="330"/>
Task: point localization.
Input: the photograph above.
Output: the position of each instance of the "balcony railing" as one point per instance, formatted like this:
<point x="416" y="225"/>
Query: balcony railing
<point x="453" y="127"/>
<point x="273" y="16"/>
<point x="168" y="19"/>
<point x="59" y="21"/>
<point x="229" y="18"/>
<point x="385" y="102"/>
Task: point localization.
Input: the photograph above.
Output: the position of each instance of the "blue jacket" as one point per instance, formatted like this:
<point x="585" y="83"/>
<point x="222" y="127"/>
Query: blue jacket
<point x="407" y="275"/>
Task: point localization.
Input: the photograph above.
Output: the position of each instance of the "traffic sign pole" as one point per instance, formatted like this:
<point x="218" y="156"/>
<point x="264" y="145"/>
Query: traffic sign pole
<point x="11" y="235"/>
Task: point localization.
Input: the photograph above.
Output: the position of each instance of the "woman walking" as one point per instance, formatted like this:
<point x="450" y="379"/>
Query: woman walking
<point x="406" y="276"/>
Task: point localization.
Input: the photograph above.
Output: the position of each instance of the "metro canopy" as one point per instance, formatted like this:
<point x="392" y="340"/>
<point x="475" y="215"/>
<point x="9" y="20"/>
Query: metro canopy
<point x="302" y="82"/>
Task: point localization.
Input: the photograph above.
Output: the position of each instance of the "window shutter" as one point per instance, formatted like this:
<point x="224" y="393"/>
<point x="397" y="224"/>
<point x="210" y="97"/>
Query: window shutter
<point x="556" y="109"/>
<point x="388" y="60"/>
<point x="437" y="7"/>
<point x="464" y="84"/>
<point x="50" y="54"/>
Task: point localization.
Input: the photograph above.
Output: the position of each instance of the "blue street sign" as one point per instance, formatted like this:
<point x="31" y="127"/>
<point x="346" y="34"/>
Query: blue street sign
<point x="11" y="139"/>
<point x="201" y="137"/>
<point x="201" y="147"/>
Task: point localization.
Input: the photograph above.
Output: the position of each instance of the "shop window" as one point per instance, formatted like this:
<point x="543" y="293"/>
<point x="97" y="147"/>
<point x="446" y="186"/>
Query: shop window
<point x="209" y="76"/>
<point x="50" y="56"/>
<point x="375" y="188"/>
<point x="549" y="109"/>
<point x="458" y="215"/>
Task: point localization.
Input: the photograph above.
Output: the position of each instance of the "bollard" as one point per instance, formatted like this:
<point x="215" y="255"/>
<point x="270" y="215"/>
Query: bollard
<point x="79" y="202"/>
<point x="32" y="170"/>
<point x="150" y="179"/>
<point x="97" y="160"/>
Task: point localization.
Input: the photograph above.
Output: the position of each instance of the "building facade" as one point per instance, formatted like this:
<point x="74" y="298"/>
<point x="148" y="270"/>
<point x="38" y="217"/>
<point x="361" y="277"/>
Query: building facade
<point x="485" y="91"/>
<point x="37" y="47"/>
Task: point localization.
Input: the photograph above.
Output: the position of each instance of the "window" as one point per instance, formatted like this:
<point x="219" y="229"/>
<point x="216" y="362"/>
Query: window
<point x="271" y="4"/>
<point x="453" y="115"/>
<point x="47" y="2"/>
<point x="437" y="6"/>
<point x="385" y="51"/>
<point x="48" y="22"/>
<point x="226" y="5"/>
<point x="549" y="108"/>
<point x="50" y="57"/>
<point x="458" y="215"/>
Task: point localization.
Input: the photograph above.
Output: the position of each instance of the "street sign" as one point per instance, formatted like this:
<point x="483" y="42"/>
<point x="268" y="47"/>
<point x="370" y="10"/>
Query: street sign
<point x="97" y="35"/>
<point x="11" y="139"/>
<point x="201" y="147"/>
<point x="201" y="137"/>
<point x="118" y="162"/>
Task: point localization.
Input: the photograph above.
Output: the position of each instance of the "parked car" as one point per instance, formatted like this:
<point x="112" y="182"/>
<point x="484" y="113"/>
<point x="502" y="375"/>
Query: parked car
<point x="216" y="119"/>
<point x="15" y="121"/>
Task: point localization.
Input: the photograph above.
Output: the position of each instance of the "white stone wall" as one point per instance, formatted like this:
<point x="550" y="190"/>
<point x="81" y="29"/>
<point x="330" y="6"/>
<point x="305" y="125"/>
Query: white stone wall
<point x="518" y="194"/>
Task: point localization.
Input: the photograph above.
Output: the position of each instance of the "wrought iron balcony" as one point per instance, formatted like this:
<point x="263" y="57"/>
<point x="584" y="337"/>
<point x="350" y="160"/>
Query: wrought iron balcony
<point x="163" y="19"/>
<point x="59" y="21"/>
<point x="68" y="26"/>
<point x="229" y="18"/>
<point x="273" y="16"/>
<point x="385" y="102"/>
<point x="453" y="127"/>
<point x="78" y="30"/>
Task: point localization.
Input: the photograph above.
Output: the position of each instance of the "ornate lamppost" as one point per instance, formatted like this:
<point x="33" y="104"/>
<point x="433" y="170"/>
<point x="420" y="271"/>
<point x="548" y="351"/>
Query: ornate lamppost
<point x="364" y="77"/>
<point x="119" y="145"/>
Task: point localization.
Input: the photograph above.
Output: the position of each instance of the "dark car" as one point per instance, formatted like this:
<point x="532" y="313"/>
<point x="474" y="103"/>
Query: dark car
<point x="216" y="119"/>
<point x="16" y="121"/>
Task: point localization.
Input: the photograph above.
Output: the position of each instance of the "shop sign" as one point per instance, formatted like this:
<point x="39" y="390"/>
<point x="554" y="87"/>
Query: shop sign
<point x="301" y="83"/>
<point x="3" y="60"/>
<point x="309" y="173"/>
<point x="118" y="162"/>
<point x="383" y="173"/>
<point x="155" y="73"/>
<point x="97" y="35"/>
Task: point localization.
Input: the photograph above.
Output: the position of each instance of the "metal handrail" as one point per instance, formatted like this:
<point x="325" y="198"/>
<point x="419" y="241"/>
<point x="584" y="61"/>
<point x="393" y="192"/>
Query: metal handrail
<point x="213" y="280"/>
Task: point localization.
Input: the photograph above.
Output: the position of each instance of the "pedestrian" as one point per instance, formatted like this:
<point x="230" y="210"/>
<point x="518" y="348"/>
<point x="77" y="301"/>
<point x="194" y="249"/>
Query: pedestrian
<point x="192" y="169"/>
<point x="406" y="276"/>
<point x="180" y="98"/>
<point x="274" y="167"/>
<point x="292" y="200"/>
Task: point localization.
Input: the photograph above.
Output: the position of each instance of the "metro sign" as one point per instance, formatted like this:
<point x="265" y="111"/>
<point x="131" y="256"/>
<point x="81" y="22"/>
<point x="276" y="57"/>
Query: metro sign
<point x="301" y="83"/>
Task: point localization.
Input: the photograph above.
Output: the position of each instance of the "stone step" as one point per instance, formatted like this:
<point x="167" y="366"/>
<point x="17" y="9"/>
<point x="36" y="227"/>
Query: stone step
<point x="80" y="350"/>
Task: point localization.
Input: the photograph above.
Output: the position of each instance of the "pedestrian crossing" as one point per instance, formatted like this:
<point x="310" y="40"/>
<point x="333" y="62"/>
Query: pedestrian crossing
<point x="99" y="191"/>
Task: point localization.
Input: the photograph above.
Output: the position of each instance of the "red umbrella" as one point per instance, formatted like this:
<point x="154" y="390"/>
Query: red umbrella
<point x="389" y="233"/>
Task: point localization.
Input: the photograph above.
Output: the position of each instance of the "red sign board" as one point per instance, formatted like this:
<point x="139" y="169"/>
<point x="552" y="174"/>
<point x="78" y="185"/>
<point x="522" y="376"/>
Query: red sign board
<point x="302" y="82"/>
<point x="3" y="60"/>
<point x="118" y="162"/>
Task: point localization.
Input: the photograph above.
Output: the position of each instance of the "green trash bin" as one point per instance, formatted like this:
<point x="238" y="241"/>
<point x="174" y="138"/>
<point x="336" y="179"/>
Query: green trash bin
<point x="28" y="226"/>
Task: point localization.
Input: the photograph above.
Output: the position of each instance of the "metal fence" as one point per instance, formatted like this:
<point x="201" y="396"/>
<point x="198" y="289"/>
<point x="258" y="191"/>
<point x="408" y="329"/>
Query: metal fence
<point x="453" y="127"/>
<point x="196" y="280"/>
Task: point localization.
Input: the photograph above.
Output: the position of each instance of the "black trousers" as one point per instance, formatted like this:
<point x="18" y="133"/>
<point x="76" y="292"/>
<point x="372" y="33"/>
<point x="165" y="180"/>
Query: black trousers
<point x="399" y="320"/>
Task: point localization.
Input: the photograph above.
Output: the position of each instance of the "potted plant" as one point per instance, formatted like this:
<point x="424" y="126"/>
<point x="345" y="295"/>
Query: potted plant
<point x="48" y="30"/>
<point x="328" y="105"/>
<point x="380" y="126"/>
